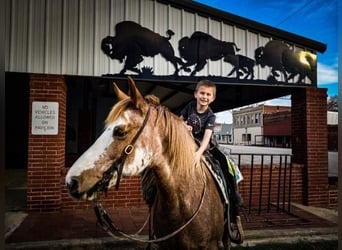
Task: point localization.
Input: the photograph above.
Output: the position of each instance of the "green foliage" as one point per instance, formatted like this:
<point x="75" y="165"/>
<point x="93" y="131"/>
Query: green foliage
<point x="333" y="103"/>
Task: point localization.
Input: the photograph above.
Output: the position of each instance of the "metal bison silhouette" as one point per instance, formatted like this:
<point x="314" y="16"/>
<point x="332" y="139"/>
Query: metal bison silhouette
<point x="242" y="65"/>
<point x="132" y="41"/>
<point x="280" y="57"/>
<point x="201" y="47"/>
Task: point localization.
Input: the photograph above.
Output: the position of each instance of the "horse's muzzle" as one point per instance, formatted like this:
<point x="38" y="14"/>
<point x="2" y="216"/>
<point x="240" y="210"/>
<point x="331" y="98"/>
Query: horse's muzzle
<point x="73" y="188"/>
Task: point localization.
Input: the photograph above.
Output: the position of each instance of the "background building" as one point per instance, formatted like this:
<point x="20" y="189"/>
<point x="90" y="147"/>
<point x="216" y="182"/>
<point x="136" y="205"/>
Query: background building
<point x="261" y="125"/>
<point x="223" y="133"/>
<point x="332" y="131"/>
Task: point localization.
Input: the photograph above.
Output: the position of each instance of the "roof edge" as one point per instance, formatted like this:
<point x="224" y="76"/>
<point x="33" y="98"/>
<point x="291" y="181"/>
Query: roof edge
<point x="250" y="24"/>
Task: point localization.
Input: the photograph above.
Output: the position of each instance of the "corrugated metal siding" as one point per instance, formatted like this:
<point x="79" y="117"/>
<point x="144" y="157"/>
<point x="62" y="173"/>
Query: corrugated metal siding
<point x="64" y="36"/>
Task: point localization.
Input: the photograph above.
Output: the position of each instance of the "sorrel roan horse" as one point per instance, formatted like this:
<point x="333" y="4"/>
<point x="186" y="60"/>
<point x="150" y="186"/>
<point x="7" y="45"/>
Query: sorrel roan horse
<point x="139" y="135"/>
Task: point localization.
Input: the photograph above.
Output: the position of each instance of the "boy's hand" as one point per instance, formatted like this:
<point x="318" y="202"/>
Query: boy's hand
<point x="189" y="128"/>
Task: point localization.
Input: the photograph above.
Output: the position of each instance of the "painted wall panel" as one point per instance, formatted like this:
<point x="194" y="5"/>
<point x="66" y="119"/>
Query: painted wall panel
<point x="175" y="24"/>
<point x="132" y="10"/>
<point x="147" y="11"/>
<point x="64" y="37"/>
<point x="117" y="14"/>
<point x="227" y="35"/>
<point x="86" y="37"/>
<point x="8" y="23"/>
<point x="189" y="24"/>
<point x="188" y="27"/>
<point x="102" y="29"/>
<point x="202" y="24"/>
<point x="263" y="72"/>
<point x="37" y="35"/>
<point x="241" y="40"/>
<point x="53" y="40"/>
<point x="215" y="66"/>
<point x="17" y="35"/>
<point x="161" y="26"/>
<point x="70" y="37"/>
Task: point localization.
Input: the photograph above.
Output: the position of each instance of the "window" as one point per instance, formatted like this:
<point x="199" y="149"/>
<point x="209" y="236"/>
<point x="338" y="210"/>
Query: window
<point x="246" y="137"/>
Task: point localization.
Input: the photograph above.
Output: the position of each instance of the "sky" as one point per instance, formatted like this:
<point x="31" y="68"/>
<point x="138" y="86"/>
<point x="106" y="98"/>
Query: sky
<point x="313" y="19"/>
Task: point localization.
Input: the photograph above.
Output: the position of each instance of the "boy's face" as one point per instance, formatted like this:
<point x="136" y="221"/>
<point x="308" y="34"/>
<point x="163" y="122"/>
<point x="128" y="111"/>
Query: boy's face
<point x="204" y="95"/>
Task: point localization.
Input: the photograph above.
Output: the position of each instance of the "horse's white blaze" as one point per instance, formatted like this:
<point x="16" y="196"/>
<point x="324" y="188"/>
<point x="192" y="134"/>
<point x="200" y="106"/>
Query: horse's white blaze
<point x="88" y="158"/>
<point x="141" y="160"/>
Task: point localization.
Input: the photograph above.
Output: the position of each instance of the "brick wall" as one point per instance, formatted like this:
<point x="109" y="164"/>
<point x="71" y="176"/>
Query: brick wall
<point x="333" y="196"/>
<point x="309" y="142"/>
<point x="273" y="187"/>
<point x="46" y="152"/>
<point x="278" y="123"/>
<point x="128" y="195"/>
<point x="333" y="137"/>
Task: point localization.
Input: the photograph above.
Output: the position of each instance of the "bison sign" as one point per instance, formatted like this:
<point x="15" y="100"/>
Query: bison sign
<point x="133" y="42"/>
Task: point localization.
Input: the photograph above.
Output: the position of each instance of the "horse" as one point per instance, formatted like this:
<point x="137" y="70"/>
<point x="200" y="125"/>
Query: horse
<point x="142" y="135"/>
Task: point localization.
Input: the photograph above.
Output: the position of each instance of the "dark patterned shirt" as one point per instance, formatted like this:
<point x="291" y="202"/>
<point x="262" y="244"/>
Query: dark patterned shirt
<point x="198" y="121"/>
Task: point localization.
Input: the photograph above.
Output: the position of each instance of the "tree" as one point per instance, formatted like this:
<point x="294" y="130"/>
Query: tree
<point x="333" y="103"/>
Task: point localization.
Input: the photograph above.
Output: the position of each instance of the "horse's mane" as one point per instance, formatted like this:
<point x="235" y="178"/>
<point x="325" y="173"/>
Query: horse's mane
<point x="180" y="145"/>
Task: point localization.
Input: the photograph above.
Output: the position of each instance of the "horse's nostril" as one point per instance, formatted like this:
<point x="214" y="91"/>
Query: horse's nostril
<point x="73" y="186"/>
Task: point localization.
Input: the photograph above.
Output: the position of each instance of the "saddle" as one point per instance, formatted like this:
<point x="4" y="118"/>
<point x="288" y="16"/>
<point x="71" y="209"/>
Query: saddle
<point x="223" y="172"/>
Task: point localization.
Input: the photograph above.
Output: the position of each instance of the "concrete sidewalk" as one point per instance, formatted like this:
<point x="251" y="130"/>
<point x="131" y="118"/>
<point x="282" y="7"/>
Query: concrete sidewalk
<point x="253" y="237"/>
<point x="78" y="230"/>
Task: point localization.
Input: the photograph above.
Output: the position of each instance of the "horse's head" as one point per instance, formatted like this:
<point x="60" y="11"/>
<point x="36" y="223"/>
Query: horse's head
<point x="118" y="151"/>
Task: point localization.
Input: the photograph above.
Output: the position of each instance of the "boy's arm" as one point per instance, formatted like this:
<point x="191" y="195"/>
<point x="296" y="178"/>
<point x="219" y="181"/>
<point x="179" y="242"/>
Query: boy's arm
<point x="205" y="141"/>
<point x="204" y="145"/>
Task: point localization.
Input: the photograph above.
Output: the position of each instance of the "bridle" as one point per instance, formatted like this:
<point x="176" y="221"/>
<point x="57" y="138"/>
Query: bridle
<point x="118" y="165"/>
<point x="102" y="216"/>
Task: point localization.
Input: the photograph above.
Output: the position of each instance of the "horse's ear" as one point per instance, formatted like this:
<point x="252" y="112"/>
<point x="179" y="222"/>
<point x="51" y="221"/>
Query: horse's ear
<point x="119" y="93"/>
<point x="135" y="94"/>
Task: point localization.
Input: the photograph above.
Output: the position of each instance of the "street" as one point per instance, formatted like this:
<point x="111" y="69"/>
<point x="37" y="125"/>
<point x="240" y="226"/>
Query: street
<point x="235" y="149"/>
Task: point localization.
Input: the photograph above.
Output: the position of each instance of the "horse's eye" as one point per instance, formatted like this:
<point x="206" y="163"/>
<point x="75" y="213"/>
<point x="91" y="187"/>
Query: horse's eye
<point x="119" y="132"/>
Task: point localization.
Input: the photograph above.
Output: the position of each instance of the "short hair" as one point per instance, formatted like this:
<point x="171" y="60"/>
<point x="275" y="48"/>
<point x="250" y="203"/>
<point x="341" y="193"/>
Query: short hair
<point x="206" y="83"/>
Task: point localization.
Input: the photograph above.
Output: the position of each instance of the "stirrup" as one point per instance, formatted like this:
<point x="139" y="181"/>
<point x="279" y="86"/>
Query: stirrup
<point x="238" y="231"/>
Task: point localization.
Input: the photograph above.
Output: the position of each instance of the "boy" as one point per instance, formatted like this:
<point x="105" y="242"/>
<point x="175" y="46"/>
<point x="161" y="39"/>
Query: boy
<point x="199" y="117"/>
<point x="200" y="120"/>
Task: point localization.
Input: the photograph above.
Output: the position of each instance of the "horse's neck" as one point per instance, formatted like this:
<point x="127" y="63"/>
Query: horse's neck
<point x="176" y="190"/>
<point x="181" y="182"/>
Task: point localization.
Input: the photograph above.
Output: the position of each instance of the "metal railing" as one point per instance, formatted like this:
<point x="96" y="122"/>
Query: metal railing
<point x="261" y="172"/>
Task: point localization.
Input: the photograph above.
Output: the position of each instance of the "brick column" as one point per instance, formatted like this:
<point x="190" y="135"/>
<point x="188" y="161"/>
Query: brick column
<point x="310" y="143"/>
<point x="46" y="153"/>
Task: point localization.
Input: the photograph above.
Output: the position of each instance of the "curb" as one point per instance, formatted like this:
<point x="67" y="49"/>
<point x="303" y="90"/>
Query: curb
<point x="106" y="243"/>
<point x="257" y="237"/>
<point x="253" y="238"/>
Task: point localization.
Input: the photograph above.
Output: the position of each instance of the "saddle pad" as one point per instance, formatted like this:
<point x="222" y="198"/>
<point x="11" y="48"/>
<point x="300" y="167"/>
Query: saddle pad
<point x="219" y="181"/>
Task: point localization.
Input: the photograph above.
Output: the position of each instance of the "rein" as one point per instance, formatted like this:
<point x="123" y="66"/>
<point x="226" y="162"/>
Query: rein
<point x="107" y="224"/>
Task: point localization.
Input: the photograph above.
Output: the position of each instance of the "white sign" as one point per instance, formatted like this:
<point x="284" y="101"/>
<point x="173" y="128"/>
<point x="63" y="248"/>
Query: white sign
<point x="44" y="118"/>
